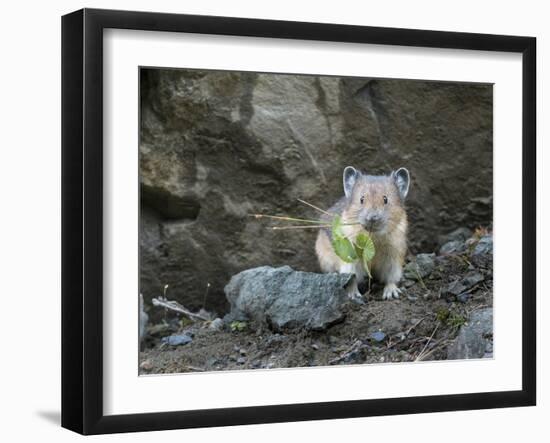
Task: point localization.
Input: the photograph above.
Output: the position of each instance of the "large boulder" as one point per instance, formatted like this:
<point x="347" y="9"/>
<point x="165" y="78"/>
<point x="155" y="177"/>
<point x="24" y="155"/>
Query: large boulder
<point x="217" y="146"/>
<point x="284" y="299"/>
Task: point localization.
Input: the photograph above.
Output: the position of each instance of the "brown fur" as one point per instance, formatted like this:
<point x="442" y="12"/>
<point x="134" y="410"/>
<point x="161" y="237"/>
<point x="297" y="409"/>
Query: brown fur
<point x="390" y="240"/>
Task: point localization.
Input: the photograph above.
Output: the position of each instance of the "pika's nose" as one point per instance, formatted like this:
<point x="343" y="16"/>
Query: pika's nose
<point x="372" y="221"/>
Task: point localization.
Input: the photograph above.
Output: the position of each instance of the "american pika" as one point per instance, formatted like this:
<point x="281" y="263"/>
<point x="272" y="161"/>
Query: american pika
<point x="376" y="203"/>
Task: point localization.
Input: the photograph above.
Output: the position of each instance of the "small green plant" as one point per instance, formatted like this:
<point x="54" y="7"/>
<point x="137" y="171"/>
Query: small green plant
<point x="238" y="326"/>
<point x="456" y="320"/>
<point x="348" y="249"/>
<point x="442" y="315"/>
<point x="451" y="319"/>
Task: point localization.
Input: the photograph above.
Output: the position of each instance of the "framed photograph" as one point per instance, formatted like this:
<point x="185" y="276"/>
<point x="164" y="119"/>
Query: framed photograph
<point x="268" y="221"/>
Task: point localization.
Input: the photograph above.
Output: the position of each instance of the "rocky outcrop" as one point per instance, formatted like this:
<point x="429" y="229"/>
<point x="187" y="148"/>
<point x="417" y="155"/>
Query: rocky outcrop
<point x="216" y="146"/>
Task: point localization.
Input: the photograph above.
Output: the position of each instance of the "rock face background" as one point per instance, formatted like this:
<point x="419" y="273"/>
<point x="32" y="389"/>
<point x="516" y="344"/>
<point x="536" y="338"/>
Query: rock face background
<point x="217" y="146"/>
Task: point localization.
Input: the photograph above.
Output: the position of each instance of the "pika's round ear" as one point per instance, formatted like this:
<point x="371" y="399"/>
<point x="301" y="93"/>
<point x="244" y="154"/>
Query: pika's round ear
<point x="402" y="180"/>
<point x="350" y="177"/>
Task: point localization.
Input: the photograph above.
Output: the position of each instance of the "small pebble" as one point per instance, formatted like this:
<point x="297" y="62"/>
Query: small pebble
<point x="177" y="339"/>
<point x="216" y="325"/>
<point x="451" y="247"/>
<point x="472" y="279"/>
<point x="275" y="339"/>
<point x="213" y="361"/>
<point x="146" y="365"/>
<point x="463" y="298"/>
<point x="484" y="246"/>
<point x="241" y="360"/>
<point x="378" y="336"/>
<point x="459" y="234"/>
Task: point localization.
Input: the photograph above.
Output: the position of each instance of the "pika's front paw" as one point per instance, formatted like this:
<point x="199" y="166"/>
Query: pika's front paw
<point x="391" y="291"/>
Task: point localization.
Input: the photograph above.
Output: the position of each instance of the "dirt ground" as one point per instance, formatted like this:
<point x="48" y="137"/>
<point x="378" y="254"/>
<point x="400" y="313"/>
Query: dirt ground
<point x="417" y="327"/>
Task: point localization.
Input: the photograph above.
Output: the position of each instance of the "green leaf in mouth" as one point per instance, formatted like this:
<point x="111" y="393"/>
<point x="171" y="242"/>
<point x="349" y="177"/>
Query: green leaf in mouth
<point x="365" y="249"/>
<point x="342" y="246"/>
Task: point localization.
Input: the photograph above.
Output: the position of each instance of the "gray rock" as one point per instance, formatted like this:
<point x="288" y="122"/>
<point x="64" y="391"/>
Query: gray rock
<point x="472" y="279"/>
<point x="288" y="299"/>
<point x="453" y="289"/>
<point x="459" y="287"/>
<point x="378" y="336"/>
<point x="421" y="267"/>
<point x="177" y="339"/>
<point x="484" y="246"/>
<point x="216" y="324"/>
<point x="354" y="356"/>
<point x="275" y="340"/>
<point x="216" y="146"/>
<point x="464" y="297"/>
<point x="453" y="247"/>
<point x="473" y="338"/>
<point x="459" y="235"/>
<point x="213" y="361"/>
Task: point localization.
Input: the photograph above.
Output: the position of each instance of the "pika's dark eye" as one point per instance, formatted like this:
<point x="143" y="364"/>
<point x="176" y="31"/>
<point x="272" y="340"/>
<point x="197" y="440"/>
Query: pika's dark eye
<point x="385" y="200"/>
<point x="362" y="199"/>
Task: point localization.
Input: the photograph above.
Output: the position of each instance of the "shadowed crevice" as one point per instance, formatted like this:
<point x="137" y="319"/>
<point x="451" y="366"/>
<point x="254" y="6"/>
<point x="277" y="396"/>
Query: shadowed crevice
<point x="170" y="206"/>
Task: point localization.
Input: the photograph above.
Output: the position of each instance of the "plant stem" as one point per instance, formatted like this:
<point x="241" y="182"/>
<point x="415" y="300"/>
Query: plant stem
<point x="419" y="356"/>
<point x="417" y="270"/>
<point x="278" y="217"/>
<point x="280" y="228"/>
<point x="205" y="295"/>
<point x="315" y="207"/>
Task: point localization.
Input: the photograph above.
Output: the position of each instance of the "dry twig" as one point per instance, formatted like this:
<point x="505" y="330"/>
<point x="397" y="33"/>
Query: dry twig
<point x="357" y="345"/>
<point x="405" y="336"/>
<point x="176" y="307"/>
<point x="437" y="346"/>
<point x="420" y="356"/>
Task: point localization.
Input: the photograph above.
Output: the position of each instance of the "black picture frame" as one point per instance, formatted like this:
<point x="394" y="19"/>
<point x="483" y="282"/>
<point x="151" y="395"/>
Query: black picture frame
<point x="82" y="218"/>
